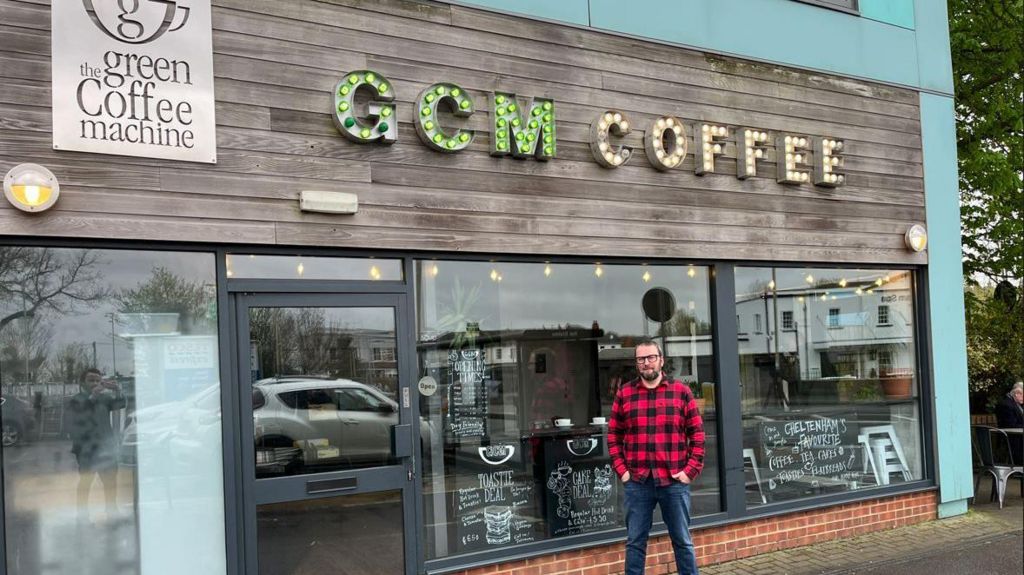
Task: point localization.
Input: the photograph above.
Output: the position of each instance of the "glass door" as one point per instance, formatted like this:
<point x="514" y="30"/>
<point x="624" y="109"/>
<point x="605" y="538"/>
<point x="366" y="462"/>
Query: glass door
<point x="326" y="434"/>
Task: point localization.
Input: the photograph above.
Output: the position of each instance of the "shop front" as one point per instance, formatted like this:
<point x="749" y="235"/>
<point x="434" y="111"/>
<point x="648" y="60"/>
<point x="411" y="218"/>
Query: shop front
<point x="371" y="318"/>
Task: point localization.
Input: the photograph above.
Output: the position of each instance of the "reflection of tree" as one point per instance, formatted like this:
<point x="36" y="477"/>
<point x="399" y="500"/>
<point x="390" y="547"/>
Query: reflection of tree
<point x="38" y="279"/>
<point x="68" y="363"/>
<point x="684" y="323"/>
<point x="23" y="350"/>
<point x="167" y="292"/>
<point x="302" y="341"/>
<point x="457" y="316"/>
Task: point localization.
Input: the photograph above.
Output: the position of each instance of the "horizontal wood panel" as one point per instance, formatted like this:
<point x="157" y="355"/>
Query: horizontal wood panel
<point x="276" y="62"/>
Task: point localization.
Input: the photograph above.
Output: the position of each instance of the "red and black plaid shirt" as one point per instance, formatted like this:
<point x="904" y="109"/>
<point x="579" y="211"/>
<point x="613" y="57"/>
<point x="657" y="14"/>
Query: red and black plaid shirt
<point x="656" y="430"/>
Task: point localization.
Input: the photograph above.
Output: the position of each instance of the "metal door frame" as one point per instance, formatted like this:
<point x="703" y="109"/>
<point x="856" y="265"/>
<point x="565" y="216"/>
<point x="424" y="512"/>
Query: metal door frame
<point x="398" y="477"/>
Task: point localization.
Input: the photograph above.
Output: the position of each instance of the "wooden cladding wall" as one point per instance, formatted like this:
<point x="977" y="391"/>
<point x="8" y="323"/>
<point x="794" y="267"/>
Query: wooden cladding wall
<point x="276" y="62"/>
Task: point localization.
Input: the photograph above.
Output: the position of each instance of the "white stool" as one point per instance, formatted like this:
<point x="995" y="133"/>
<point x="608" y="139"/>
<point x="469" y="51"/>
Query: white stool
<point x="868" y="458"/>
<point x="885" y="452"/>
<point x="748" y="454"/>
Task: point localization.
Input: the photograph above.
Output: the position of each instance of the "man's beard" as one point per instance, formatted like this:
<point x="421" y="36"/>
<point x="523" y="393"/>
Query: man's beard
<point x="650" y="375"/>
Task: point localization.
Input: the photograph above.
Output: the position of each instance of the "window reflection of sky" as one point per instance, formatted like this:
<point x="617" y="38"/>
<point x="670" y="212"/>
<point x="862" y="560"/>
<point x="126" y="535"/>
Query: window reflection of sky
<point x="119" y="270"/>
<point x="571" y="294"/>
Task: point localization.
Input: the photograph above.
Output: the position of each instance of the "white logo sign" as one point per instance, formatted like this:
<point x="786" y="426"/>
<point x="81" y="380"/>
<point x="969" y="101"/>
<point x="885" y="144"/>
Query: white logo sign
<point x="134" y="78"/>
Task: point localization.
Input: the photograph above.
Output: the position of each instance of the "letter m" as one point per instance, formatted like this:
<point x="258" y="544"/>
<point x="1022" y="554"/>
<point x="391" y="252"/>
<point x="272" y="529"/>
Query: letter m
<point x="522" y="136"/>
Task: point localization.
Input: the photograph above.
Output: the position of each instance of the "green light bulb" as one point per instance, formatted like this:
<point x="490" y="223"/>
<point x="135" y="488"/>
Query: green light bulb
<point x="428" y="125"/>
<point x="370" y="77"/>
<point x="456" y="92"/>
<point x="549" y="151"/>
<point x="531" y="137"/>
<point x="425" y="111"/>
<point x="437" y="138"/>
<point x="349" y="122"/>
<point x="353" y="79"/>
<point x="464" y="104"/>
<point x="502" y="145"/>
<point x="463" y="137"/>
<point x="499" y="99"/>
<point x="547" y="117"/>
<point x="515" y="122"/>
<point x="365" y="132"/>
<point x="511" y="107"/>
<point x="385" y="112"/>
<point x="450" y="143"/>
<point x="519" y="136"/>
<point x="548" y="139"/>
<point x="382" y="88"/>
<point x="502" y="122"/>
<point x="502" y="134"/>
<point x="547" y="105"/>
<point x="440" y="90"/>
<point x="533" y="124"/>
<point x="536" y="111"/>
<point x="547" y="129"/>
<point x="344" y="90"/>
<point x="383" y="127"/>
<point x="342" y="106"/>
<point x="429" y="97"/>
<point x="501" y="111"/>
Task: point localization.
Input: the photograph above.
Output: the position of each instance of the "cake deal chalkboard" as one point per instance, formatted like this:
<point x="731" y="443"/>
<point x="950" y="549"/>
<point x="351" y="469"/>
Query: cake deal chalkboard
<point x="580" y="492"/>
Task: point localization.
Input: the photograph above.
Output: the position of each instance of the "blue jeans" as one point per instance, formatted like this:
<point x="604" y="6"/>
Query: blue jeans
<point x="674" y="500"/>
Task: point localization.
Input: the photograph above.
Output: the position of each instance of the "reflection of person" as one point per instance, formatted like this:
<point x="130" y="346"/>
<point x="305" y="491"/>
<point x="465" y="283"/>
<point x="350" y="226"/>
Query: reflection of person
<point x="1010" y="413"/>
<point x="656" y="442"/>
<point x="92" y="437"/>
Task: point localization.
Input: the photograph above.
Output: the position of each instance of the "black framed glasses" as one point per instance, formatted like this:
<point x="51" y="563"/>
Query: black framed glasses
<point x="647" y="359"/>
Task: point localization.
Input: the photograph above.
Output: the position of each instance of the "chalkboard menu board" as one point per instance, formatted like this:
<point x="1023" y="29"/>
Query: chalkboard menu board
<point x="467" y="397"/>
<point x="808" y="452"/>
<point x="580" y="487"/>
<point x="498" y="506"/>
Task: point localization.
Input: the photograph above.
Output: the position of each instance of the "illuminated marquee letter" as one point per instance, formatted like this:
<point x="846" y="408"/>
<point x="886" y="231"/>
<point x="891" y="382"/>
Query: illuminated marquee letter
<point x="792" y="160"/>
<point x="665" y="143"/>
<point x="606" y="154"/>
<point x="429" y="128"/>
<point x="712" y="143"/>
<point x="532" y="135"/>
<point x="753" y="146"/>
<point x="384" y="126"/>
<point x="830" y="158"/>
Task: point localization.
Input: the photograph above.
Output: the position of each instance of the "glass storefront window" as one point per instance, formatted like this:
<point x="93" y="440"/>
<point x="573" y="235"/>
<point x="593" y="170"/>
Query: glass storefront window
<point x="112" y="458"/>
<point x="519" y="364"/>
<point x="830" y="393"/>
<point x="254" y="266"/>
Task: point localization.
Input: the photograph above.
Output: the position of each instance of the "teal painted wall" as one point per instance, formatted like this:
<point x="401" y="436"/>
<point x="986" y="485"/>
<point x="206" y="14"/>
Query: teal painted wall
<point x="945" y="281"/>
<point x="571" y="11"/>
<point x="895" y="12"/>
<point x="897" y="41"/>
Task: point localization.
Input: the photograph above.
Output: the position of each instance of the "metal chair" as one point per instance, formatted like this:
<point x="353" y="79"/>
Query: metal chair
<point x="1001" y="467"/>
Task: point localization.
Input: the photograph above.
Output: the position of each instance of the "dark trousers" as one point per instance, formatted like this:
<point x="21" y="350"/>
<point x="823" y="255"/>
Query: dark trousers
<point x="674" y="500"/>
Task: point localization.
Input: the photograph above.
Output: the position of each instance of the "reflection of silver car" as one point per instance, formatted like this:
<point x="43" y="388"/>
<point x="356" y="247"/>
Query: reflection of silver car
<point x="160" y="423"/>
<point x="305" y="421"/>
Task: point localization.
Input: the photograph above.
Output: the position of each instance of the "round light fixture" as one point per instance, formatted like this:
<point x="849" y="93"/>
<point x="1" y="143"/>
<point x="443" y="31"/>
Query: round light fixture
<point x="31" y="187"/>
<point x="917" y="238"/>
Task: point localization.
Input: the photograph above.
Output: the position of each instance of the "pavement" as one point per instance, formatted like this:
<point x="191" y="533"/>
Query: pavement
<point x="987" y="540"/>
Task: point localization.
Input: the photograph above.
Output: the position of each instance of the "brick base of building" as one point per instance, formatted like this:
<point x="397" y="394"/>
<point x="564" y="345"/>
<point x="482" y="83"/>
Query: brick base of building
<point x="739" y="540"/>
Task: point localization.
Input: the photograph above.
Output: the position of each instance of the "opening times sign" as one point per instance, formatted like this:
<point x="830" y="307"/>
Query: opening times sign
<point x="134" y="78"/>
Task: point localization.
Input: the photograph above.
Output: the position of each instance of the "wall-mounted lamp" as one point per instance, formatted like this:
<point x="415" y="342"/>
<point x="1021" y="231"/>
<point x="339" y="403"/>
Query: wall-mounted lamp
<point x="31" y="187"/>
<point x="916" y="238"/>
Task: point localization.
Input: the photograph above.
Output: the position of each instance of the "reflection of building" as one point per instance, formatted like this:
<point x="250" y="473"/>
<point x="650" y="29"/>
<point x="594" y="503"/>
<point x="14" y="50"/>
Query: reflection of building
<point x="863" y="329"/>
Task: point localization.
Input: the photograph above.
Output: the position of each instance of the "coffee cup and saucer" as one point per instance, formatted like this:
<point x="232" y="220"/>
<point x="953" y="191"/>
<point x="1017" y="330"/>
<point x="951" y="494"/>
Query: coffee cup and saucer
<point x="599" y="421"/>
<point x="563" y="423"/>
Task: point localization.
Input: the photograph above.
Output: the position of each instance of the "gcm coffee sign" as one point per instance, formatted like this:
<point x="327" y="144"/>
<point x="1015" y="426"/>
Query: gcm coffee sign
<point x="134" y="78"/>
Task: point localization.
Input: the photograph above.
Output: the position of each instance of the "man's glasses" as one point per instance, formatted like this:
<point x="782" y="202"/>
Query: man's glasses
<point x="647" y="359"/>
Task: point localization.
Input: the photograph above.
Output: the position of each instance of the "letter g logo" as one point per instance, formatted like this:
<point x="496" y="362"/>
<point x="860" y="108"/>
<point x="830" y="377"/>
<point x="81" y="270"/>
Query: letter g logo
<point x="136" y="21"/>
